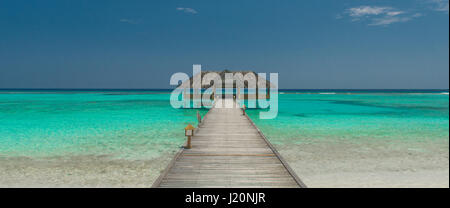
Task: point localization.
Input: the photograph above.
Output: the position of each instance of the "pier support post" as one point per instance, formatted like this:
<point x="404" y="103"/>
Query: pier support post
<point x="189" y="132"/>
<point x="188" y="144"/>
<point x="199" y="118"/>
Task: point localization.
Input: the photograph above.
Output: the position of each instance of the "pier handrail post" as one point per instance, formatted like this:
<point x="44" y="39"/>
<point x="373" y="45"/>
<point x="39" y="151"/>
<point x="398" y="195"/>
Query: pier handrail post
<point x="199" y="118"/>
<point x="188" y="144"/>
<point x="189" y="132"/>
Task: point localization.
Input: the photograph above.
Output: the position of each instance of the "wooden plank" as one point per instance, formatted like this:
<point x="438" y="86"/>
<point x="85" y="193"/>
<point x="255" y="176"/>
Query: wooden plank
<point x="228" y="150"/>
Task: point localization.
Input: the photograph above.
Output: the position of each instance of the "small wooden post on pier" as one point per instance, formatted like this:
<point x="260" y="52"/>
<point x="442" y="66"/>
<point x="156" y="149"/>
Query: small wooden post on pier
<point x="189" y="132"/>
<point x="199" y="118"/>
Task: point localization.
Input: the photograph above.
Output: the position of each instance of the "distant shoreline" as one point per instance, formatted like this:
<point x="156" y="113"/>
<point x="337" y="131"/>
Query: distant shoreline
<point x="286" y="91"/>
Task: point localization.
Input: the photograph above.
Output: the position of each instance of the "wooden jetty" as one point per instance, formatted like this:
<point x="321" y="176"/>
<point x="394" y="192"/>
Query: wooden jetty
<point x="228" y="151"/>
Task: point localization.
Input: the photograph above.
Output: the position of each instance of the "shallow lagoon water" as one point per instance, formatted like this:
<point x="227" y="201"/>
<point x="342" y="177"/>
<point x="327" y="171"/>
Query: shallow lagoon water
<point x="125" y="138"/>
<point x="364" y="139"/>
<point x="125" y="126"/>
<point x="139" y="125"/>
<point x="384" y="116"/>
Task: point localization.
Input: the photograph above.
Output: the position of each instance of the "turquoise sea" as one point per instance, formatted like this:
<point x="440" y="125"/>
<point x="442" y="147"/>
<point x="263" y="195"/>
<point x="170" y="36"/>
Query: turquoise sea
<point x="126" y="125"/>
<point x="142" y="125"/>
<point x="392" y="116"/>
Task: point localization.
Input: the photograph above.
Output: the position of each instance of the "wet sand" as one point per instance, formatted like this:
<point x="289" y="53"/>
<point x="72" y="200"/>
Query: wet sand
<point x="377" y="164"/>
<point x="318" y="164"/>
<point x="79" y="171"/>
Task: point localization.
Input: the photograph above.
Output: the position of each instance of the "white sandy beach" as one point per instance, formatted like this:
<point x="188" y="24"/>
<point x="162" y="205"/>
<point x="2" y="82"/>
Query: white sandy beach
<point x="81" y="171"/>
<point x="344" y="164"/>
<point x="318" y="164"/>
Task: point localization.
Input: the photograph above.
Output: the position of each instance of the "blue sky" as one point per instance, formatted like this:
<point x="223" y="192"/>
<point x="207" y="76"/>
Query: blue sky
<point x="139" y="44"/>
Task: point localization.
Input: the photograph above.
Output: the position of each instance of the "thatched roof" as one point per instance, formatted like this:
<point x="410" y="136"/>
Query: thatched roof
<point x="199" y="77"/>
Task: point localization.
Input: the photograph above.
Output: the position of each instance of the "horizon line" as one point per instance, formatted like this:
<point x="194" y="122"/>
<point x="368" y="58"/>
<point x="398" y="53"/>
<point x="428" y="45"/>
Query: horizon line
<point x="204" y="88"/>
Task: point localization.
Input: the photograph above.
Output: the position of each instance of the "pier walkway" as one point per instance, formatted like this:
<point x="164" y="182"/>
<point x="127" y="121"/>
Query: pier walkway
<point x="228" y="150"/>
